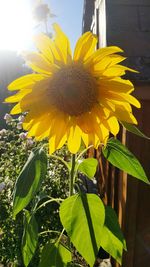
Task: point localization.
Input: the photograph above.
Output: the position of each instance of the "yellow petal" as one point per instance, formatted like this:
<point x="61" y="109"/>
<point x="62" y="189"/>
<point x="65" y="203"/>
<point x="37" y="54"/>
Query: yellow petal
<point x="62" y="43"/>
<point x="93" y="140"/>
<point x="40" y="125"/>
<point x="52" y="143"/>
<point x="105" y="133"/>
<point x="98" y="55"/>
<point x="115" y="59"/>
<point x="128" y="98"/>
<point x="59" y="127"/>
<point x="115" y="71"/>
<point x="37" y="101"/>
<point x="95" y="124"/>
<point x="85" y="123"/>
<point x="121" y="97"/>
<point x="106" y="62"/>
<point x="41" y="115"/>
<point x="113" y="125"/>
<point x="74" y="139"/>
<point x="108" y="104"/>
<point x="85" y="139"/>
<point x="97" y="142"/>
<point x="43" y="135"/>
<point x="16" y="109"/>
<point x="39" y="64"/>
<point x="85" y="46"/>
<point x="48" y="48"/>
<point x="108" y="123"/>
<point x="25" y="82"/>
<point x="132" y="100"/>
<point x="27" y="126"/>
<point x="124" y="115"/>
<point x="43" y="44"/>
<point x="41" y="87"/>
<point x="118" y="85"/>
<point x="33" y="129"/>
<point x="126" y="106"/>
<point x="17" y="97"/>
<point x="52" y="147"/>
<point x="100" y="114"/>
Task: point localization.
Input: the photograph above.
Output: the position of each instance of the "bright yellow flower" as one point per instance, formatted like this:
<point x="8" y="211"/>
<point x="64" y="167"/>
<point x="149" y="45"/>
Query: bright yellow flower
<point x="73" y="98"/>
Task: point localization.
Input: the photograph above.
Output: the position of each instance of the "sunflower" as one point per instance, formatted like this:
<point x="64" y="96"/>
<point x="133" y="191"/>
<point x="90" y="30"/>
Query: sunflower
<point x="41" y="12"/>
<point x="73" y="98"/>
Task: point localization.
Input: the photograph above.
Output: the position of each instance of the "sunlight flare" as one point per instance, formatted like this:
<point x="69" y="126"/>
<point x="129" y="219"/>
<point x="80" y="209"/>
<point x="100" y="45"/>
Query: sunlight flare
<point x="16" y="24"/>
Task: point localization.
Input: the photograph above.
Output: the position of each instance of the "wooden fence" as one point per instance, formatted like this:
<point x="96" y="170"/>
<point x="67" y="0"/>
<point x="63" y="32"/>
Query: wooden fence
<point x="129" y="197"/>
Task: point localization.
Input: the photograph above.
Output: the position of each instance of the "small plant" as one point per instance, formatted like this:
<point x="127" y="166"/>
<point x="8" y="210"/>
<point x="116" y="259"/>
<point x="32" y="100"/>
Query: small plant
<point x="15" y="148"/>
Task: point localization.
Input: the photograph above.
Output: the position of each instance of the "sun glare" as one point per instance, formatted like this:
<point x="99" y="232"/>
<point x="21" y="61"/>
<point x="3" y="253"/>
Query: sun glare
<point x="16" y="24"/>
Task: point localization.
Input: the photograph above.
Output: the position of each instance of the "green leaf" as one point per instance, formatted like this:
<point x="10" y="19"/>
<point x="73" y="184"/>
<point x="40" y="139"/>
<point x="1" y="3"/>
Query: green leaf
<point x="88" y="167"/>
<point x="30" y="237"/>
<point x="133" y="129"/>
<point x="55" y="255"/>
<point x="112" y="239"/>
<point x="29" y="180"/>
<point x="83" y="216"/>
<point x="119" y="156"/>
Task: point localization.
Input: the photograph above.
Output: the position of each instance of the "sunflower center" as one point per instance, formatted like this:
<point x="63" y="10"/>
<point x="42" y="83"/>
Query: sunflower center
<point x="73" y="90"/>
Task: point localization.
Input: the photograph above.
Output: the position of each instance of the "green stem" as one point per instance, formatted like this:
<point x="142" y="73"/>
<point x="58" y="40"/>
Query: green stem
<point x="60" y="235"/>
<point x="58" y="200"/>
<point x="72" y="173"/>
<point x="49" y="231"/>
<point x="46" y="26"/>
<point x="83" y="152"/>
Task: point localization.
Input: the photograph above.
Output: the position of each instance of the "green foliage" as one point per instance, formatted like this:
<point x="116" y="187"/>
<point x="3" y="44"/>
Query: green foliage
<point x="83" y="215"/>
<point x="29" y="180"/>
<point x="43" y="183"/>
<point x="133" y="129"/>
<point x="112" y="239"/>
<point x="15" y="150"/>
<point x="55" y="255"/>
<point x="88" y="167"/>
<point x="119" y="156"/>
<point x="30" y="237"/>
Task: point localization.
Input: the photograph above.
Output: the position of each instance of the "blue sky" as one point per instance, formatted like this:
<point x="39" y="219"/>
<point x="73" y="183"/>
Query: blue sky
<point x="69" y="16"/>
